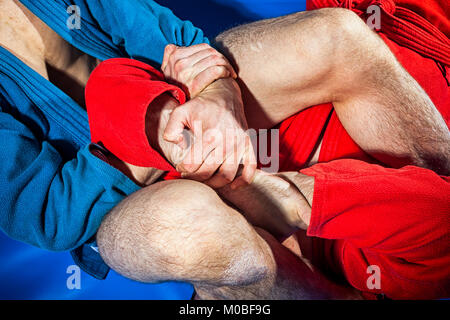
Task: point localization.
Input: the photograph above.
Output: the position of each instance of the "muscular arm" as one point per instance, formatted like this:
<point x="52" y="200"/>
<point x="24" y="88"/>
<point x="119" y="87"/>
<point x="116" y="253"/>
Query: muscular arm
<point x="289" y="63"/>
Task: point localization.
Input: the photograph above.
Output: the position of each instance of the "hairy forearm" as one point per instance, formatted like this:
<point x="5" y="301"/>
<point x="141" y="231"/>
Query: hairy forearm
<point x="280" y="204"/>
<point x="289" y="63"/>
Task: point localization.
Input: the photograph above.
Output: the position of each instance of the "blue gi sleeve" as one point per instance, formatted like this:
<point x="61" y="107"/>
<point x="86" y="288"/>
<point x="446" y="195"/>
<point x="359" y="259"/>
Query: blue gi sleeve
<point x="47" y="202"/>
<point x="143" y="28"/>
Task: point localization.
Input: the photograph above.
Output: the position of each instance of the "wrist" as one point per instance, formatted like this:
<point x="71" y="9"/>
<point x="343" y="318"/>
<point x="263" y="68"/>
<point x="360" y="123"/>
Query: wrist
<point x="156" y="120"/>
<point x="140" y="175"/>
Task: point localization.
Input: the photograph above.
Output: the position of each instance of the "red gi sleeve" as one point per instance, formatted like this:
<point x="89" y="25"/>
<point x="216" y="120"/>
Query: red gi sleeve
<point x="118" y="94"/>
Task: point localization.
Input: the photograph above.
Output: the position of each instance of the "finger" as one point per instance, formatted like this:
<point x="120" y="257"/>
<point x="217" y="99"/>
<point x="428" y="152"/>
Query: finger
<point x="225" y="174"/>
<point x="168" y="51"/>
<point x="175" y="126"/>
<point x="249" y="169"/>
<point x="206" y="58"/>
<point x="198" y="56"/>
<point x="184" y="52"/>
<point x="195" y="159"/>
<point x="215" y="59"/>
<point x="208" y="76"/>
<point x="209" y="166"/>
<point x="203" y="145"/>
<point x="199" y="61"/>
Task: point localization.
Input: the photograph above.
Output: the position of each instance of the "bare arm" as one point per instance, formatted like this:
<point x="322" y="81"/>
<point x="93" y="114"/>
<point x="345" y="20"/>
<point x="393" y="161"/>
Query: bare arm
<point x="290" y="63"/>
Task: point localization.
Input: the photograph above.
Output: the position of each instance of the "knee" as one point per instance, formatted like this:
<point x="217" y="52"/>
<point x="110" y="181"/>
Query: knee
<point x="181" y="230"/>
<point x="338" y="34"/>
<point x="342" y="23"/>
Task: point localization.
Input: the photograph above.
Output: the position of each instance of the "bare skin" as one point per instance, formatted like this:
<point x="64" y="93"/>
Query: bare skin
<point x="282" y="204"/>
<point x="211" y="246"/>
<point x="219" y="275"/>
<point x="332" y="56"/>
<point x="32" y="41"/>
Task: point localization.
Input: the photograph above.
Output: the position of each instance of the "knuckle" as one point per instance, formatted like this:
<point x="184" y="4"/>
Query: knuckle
<point x="216" y="59"/>
<point x="227" y="176"/>
<point x="211" y="51"/>
<point x="172" y="60"/>
<point x="178" y="54"/>
<point x="169" y="47"/>
<point x="178" y="112"/>
<point x="219" y="70"/>
<point x="179" y="65"/>
<point x="204" y="46"/>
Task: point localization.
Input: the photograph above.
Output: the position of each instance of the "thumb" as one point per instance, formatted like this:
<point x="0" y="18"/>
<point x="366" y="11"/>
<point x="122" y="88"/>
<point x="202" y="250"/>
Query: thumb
<point x="168" y="50"/>
<point x="175" y="126"/>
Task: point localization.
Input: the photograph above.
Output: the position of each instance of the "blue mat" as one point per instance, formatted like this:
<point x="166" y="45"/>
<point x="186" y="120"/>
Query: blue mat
<point x="31" y="273"/>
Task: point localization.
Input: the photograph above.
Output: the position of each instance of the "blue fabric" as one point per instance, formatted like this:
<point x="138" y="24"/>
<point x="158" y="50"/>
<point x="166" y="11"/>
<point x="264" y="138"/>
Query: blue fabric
<point x="48" y="179"/>
<point x="53" y="191"/>
<point x="139" y="29"/>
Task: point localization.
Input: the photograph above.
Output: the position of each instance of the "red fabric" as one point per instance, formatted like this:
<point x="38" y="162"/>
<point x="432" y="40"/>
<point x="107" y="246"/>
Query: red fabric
<point x="397" y="219"/>
<point x="118" y="94"/>
<point x="353" y="199"/>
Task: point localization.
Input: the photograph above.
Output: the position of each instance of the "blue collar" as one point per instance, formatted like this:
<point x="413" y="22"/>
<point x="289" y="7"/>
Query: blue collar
<point x="53" y="102"/>
<point x="89" y="39"/>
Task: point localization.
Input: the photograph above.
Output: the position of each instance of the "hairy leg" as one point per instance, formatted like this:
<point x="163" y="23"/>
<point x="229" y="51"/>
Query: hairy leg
<point x="293" y="278"/>
<point x="290" y="63"/>
<point x="181" y="230"/>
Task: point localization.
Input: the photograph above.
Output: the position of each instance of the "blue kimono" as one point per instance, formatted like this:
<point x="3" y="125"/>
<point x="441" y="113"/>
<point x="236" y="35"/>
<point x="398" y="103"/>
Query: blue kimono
<point x="53" y="191"/>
